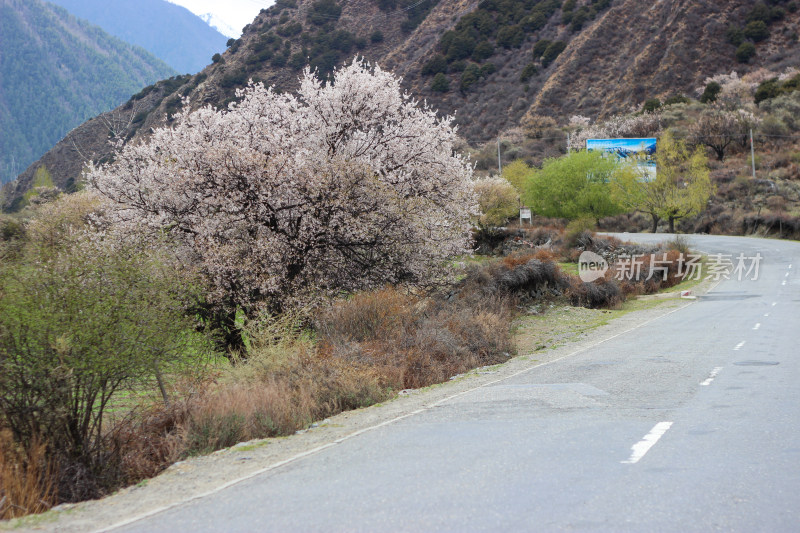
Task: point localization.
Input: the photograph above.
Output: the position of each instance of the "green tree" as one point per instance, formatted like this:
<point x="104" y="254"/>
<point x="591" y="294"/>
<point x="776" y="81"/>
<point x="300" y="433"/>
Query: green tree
<point x="711" y="92"/>
<point x="470" y="77"/>
<point x="528" y="72"/>
<point x="539" y="48"/>
<point x="440" y="83"/>
<point x="745" y="52"/>
<point x="651" y="105"/>
<point x="552" y="52"/>
<point x="576" y="185"/>
<point x="498" y="201"/>
<point x="682" y="186"/>
<point x="756" y="30"/>
<point x="434" y="65"/>
<point x="517" y="173"/>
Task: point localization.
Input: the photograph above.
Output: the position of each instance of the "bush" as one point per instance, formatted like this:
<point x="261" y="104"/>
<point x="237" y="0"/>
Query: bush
<point x="434" y="65"/>
<point x="460" y="47"/>
<point x="414" y="342"/>
<point x="677" y="99"/>
<point x="735" y="35"/>
<point x="440" y="83"/>
<point x="324" y="11"/>
<point x="577" y="229"/>
<point x="528" y="72"/>
<point x="74" y="334"/>
<point x="510" y="36"/>
<point x="711" y="92"/>
<point x="651" y="105"/>
<point x="745" y="52"/>
<point x="552" y="52"/>
<point x="498" y="201"/>
<point x="539" y="48"/>
<point x="469" y="77"/>
<point x="376" y="36"/>
<point x="484" y="50"/>
<point x="756" y="30"/>
<point x="602" y="293"/>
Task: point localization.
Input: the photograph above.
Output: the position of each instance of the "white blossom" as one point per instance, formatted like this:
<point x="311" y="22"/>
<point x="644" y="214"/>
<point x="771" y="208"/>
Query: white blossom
<point x="344" y="186"/>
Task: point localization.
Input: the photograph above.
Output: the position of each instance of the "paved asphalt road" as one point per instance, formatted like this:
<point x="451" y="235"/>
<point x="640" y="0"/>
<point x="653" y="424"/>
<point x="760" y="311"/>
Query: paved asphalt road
<point x="689" y="423"/>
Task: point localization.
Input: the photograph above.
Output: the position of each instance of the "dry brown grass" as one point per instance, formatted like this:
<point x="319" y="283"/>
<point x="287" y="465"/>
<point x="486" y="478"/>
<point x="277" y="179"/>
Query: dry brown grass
<point x="413" y="342"/>
<point x="27" y="479"/>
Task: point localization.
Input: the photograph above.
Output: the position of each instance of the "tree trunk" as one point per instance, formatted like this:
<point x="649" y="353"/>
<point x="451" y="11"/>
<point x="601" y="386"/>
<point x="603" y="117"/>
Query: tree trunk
<point x="655" y="222"/>
<point x="161" y="387"/>
<point x="672" y="224"/>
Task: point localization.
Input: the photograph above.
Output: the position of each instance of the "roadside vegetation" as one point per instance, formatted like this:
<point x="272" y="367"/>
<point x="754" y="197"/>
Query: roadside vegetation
<point x="249" y="271"/>
<point x="707" y="181"/>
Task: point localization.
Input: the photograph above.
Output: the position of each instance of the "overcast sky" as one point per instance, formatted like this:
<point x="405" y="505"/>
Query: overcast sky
<point x="234" y="14"/>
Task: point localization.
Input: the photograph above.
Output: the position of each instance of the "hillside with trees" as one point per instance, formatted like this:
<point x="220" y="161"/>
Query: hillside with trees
<point x="170" y="32"/>
<point x="268" y="256"/>
<point x="57" y="71"/>
<point x="491" y="64"/>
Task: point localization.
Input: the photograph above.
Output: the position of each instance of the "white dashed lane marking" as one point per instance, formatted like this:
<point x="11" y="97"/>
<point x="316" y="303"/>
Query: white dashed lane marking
<point x="711" y="376"/>
<point x="639" y="449"/>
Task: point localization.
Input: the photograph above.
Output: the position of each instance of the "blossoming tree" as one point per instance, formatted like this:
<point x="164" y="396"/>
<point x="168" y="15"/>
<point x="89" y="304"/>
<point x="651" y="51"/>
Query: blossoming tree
<point x="342" y="186"/>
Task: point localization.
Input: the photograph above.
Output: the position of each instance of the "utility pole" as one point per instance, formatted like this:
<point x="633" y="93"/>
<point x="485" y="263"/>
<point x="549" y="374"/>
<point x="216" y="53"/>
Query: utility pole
<point x="499" y="162"/>
<point x="752" y="154"/>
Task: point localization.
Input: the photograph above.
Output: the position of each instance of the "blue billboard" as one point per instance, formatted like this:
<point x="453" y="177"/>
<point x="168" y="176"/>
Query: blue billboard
<point x="640" y="152"/>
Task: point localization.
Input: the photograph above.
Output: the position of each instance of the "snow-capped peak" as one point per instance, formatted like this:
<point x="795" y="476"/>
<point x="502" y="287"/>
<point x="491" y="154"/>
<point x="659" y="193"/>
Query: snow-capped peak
<point x="220" y="25"/>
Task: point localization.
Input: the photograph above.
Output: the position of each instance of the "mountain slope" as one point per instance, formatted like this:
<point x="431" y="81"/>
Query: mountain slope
<point x="168" y="31"/>
<point x="55" y="72"/>
<point x="493" y="61"/>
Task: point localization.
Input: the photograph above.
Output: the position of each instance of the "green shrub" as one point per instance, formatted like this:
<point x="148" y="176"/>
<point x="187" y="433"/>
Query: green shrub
<point x="498" y="201"/>
<point x="759" y="13"/>
<point x="488" y="69"/>
<point x="539" y="48"/>
<point x="528" y="72"/>
<point x="484" y="50"/>
<point x="81" y="321"/>
<point x="756" y="30"/>
<point x="440" y="83"/>
<point x="434" y="66"/>
<point x="745" y="52"/>
<point x="677" y="99"/>
<point x="651" y="105"/>
<point x="324" y="11"/>
<point x="553" y="50"/>
<point x="711" y="92"/>
<point x="735" y="35"/>
<point x="510" y="36"/>
<point x="469" y="77"/>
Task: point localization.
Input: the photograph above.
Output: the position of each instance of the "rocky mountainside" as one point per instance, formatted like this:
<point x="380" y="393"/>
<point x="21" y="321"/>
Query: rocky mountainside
<point x="170" y="32"/>
<point x="489" y="62"/>
<point x="56" y="71"/>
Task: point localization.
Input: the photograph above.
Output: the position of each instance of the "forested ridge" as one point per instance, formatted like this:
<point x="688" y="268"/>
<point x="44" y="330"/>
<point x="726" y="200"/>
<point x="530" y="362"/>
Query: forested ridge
<point x="56" y="71"/>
